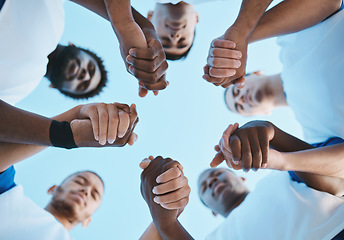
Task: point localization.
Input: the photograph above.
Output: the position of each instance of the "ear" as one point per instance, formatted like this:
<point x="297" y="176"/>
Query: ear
<point x="215" y="214"/>
<point x="51" y="190"/>
<point x="86" y="222"/>
<point x="150" y="15"/>
<point x="71" y="44"/>
<point x="51" y="85"/>
<point x="197" y="17"/>
<point x="259" y="73"/>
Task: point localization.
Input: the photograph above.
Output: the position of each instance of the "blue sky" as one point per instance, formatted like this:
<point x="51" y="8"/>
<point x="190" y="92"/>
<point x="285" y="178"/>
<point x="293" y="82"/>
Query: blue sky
<point x="183" y="122"/>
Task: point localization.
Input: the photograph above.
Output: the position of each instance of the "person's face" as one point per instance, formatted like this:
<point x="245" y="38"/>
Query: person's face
<point x="175" y="25"/>
<point x="75" y="71"/>
<point x="219" y="189"/>
<point x="254" y="99"/>
<point x="79" y="196"/>
<point x="82" y="74"/>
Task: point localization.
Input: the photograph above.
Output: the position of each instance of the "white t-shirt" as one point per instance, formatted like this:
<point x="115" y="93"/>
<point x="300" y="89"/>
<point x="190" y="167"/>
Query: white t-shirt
<point x="30" y="31"/>
<point x="282" y="209"/>
<point x="20" y="218"/>
<point x="313" y="78"/>
<point x="187" y="1"/>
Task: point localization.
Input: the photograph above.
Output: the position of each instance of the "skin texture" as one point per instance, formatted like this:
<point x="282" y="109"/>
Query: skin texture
<point x="248" y="148"/>
<point x="175" y="25"/>
<point x="221" y="190"/>
<point x="22" y="139"/>
<point x="142" y="55"/>
<point x="76" y="199"/>
<point x="84" y="77"/>
<point x="251" y="25"/>
<point x="259" y="96"/>
<point x="164" y="220"/>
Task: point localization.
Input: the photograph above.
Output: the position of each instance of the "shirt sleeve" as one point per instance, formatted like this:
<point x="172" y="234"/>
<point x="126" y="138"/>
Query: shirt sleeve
<point x="7" y="179"/>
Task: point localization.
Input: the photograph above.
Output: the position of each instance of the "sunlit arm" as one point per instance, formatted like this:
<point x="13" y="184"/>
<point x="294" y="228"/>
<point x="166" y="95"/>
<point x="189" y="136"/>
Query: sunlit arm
<point x="12" y="153"/>
<point x="292" y="16"/>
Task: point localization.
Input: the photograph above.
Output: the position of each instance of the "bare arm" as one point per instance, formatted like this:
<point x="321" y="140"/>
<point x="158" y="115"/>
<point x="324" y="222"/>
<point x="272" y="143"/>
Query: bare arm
<point x="292" y="16"/>
<point x="151" y="233"/>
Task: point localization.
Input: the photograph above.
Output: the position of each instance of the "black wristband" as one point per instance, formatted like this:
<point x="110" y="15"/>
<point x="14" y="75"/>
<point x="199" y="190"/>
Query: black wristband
<point x="61" y="135"/>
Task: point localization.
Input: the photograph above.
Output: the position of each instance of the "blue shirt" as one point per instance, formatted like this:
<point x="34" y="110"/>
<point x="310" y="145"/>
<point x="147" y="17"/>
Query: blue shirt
<point x="7" y="179"/>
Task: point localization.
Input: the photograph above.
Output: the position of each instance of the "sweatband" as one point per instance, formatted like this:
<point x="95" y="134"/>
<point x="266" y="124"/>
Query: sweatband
<point x="61" y="135"/>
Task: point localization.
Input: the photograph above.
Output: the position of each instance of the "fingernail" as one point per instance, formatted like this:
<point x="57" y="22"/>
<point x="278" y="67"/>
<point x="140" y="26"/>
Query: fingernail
<point x="157" y="180"/>
<point x="264" y="165"/>
<point x="240" y="85"/>
<point x="237" y="64"/>
<point x="154" y="190"/>
<point x="254" y="169"/>
<point x="111" y="141"/>
<point x="235" y="162"/>
<point x="168" y="83"/>
<point x="156" y="199"/>
<point x="129" y="59"/>
<point x="131" y="52"/>
<point x="102" y="142"/>
<point x="131" y="69"/>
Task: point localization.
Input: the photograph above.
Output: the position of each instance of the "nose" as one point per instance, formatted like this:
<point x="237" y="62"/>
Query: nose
<point x="86" y="190"/>
<point x="241" y="99"/>
<point x="175" y="37"/>
<point x="84" y="75"/>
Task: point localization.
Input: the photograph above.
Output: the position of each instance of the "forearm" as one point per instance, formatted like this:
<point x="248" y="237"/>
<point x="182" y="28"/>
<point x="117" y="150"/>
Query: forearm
<point x="292" y="16"/>
<point x="250" y="13"/>
<point x="172" y="230"/>
<point x="284" y="142"/>
<point x="19" y="126"/>
<point x="151" y="233"/>
<point x="326" y="161"/>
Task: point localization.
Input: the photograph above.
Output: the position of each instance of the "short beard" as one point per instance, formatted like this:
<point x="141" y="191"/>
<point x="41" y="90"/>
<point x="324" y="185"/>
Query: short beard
<point x="58" y="66"/>
<point x="63" y="208"/>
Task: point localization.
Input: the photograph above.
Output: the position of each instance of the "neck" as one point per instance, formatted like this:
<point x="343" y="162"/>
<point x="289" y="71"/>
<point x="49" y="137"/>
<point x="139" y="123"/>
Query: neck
<point x="60" y="217"/>
<point x="274" y="82"/>
<point x="52" y="57"/>
<point x="236" y="203"/>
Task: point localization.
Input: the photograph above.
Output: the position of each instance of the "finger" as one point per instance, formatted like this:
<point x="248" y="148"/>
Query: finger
<point x="142" y="91"/>
<point x="255" y="151"/>
<point x="145" y="65"/>
<point x="155" y="93"/>
<point x="132" y="139"/>
<point x="264" y="146"/>
<point x="173" y="196"/>
<point x="149" y="75"/>
<point x="160" y="85"/>
<point x="217" y="148"/>
<point x="246" y="154"/>
<point x="225" y="63"/>
<point x="156" y="161"/>
<point x="103" y="124"/>
<point x="222" y="72"/>
<point x="145" y="163"/>
<point x="171" y="185"/>
<point x="206" y="69"/>
<point x="148" y="54"/>
<point x="217" y="160"/>
<point x="133" y="116"/>
<point x="240" y="83"/>
<point x="123" y="107"/>
<point x="235" y="146"/>
<point x="225" y="53"/>
<point x="224" y="142"/>
<point x="213" y="80"/>
<point x="95" y="124"/>
<point x="169" y="175"/>
<point x="221" y="43"/>
<point x="113" y="123"/>
<point x="124" y="123"/>
<point x="176" y="205"/>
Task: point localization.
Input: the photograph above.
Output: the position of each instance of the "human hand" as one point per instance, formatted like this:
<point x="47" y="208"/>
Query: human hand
<point x="173" y="185"/>
<point x="246" y="147"/>
<point x="149" y="65"/>
<point x="164" y="186"/>
<point x="83" y="130"/>
<point x="109" y="121"/>
<point x="223" y="67"/>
